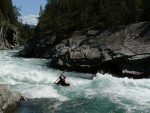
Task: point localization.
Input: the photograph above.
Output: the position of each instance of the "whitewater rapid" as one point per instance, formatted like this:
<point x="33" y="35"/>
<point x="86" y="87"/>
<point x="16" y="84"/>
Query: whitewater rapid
<point x="32" y="77"/>
<point x="87" y="94"/>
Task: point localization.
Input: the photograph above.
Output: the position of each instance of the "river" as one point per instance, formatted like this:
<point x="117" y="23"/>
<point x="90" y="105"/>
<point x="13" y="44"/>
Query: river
<point x="87" y="94"/>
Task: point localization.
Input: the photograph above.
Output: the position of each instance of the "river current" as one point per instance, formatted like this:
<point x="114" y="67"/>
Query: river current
<point x="87" y="94"/>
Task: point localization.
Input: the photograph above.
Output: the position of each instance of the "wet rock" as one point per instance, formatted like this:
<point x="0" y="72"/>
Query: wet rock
<point x="8" y="100"/>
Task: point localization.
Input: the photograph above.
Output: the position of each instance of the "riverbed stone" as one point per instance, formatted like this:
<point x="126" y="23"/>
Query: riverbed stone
<point x="9" y="100"/>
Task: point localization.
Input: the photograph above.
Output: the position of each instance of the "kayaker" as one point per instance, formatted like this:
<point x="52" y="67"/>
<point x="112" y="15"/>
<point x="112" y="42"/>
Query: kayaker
<point x="62" y="81"/>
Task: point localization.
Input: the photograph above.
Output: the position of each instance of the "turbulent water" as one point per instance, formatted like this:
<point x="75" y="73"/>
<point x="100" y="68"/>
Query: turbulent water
<point x="87" y="94"/>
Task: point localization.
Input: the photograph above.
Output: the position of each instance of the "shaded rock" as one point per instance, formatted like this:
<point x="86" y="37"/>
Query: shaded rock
<point x="9" y="36"/>
<point x="92" y="32"/>
<point x="39" y="47"/>
<point x="8" y="100"/>
<point x="124" y="51"/>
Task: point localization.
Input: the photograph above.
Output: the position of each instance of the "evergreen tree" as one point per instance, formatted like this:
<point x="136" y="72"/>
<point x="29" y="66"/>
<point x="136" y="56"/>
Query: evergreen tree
<point x="66" y="16"/>
<point x="41" y="11"/>
<point x="10" y="13"/>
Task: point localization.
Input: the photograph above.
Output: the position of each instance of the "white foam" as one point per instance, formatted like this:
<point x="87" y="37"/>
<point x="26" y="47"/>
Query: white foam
<point x="34" y="80"/>
<point x="124" y="91"/>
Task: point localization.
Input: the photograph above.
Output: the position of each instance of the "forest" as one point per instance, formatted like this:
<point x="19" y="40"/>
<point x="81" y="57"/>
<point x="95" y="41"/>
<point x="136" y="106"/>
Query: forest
<point x="10" y="14"/>
<point x="66" y="16"/>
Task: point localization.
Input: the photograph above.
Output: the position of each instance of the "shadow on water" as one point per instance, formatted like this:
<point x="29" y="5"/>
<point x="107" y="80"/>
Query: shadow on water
<point x="37" y="105"/>
<point x="78" y="105"/>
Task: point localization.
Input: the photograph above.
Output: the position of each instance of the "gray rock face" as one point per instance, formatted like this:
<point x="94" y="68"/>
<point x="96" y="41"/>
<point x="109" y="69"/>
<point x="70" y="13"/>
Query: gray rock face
<point x="39" y="47"/>
<point x="8" y="36"/>
<point x="8" y="100"/>
<point x="124" y="51"/>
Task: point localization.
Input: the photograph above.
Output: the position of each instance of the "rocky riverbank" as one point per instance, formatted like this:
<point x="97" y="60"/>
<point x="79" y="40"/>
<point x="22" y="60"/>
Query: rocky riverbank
<point x="123" y="51"/>
<point x="8" y="100"/>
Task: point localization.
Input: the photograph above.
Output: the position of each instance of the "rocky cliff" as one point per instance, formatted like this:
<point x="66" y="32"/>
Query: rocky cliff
<point x="124" y="51"/>
<point x="8" y="36"/>
<point x="8" y="100"/>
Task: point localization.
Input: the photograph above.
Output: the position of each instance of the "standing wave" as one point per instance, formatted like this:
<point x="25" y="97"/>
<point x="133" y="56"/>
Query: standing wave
<point x="87" y="94"/>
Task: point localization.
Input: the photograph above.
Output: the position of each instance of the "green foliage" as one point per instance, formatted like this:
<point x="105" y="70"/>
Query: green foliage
<point x="26" y="33"/>
<point x="9" y="14"/>
<point x="146" y="10"/>
<point x="69" y="15"/>
<point x="1" y="16"/>
<point x="41" y="10"/>
<point x="7" y="10"/>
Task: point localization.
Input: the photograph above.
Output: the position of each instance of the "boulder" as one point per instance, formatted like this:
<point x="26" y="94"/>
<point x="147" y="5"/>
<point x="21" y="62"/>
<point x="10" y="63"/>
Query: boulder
<point x="123" y="52"/>
<point x="38" y="47"/>
<point x="8" y="100"/>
